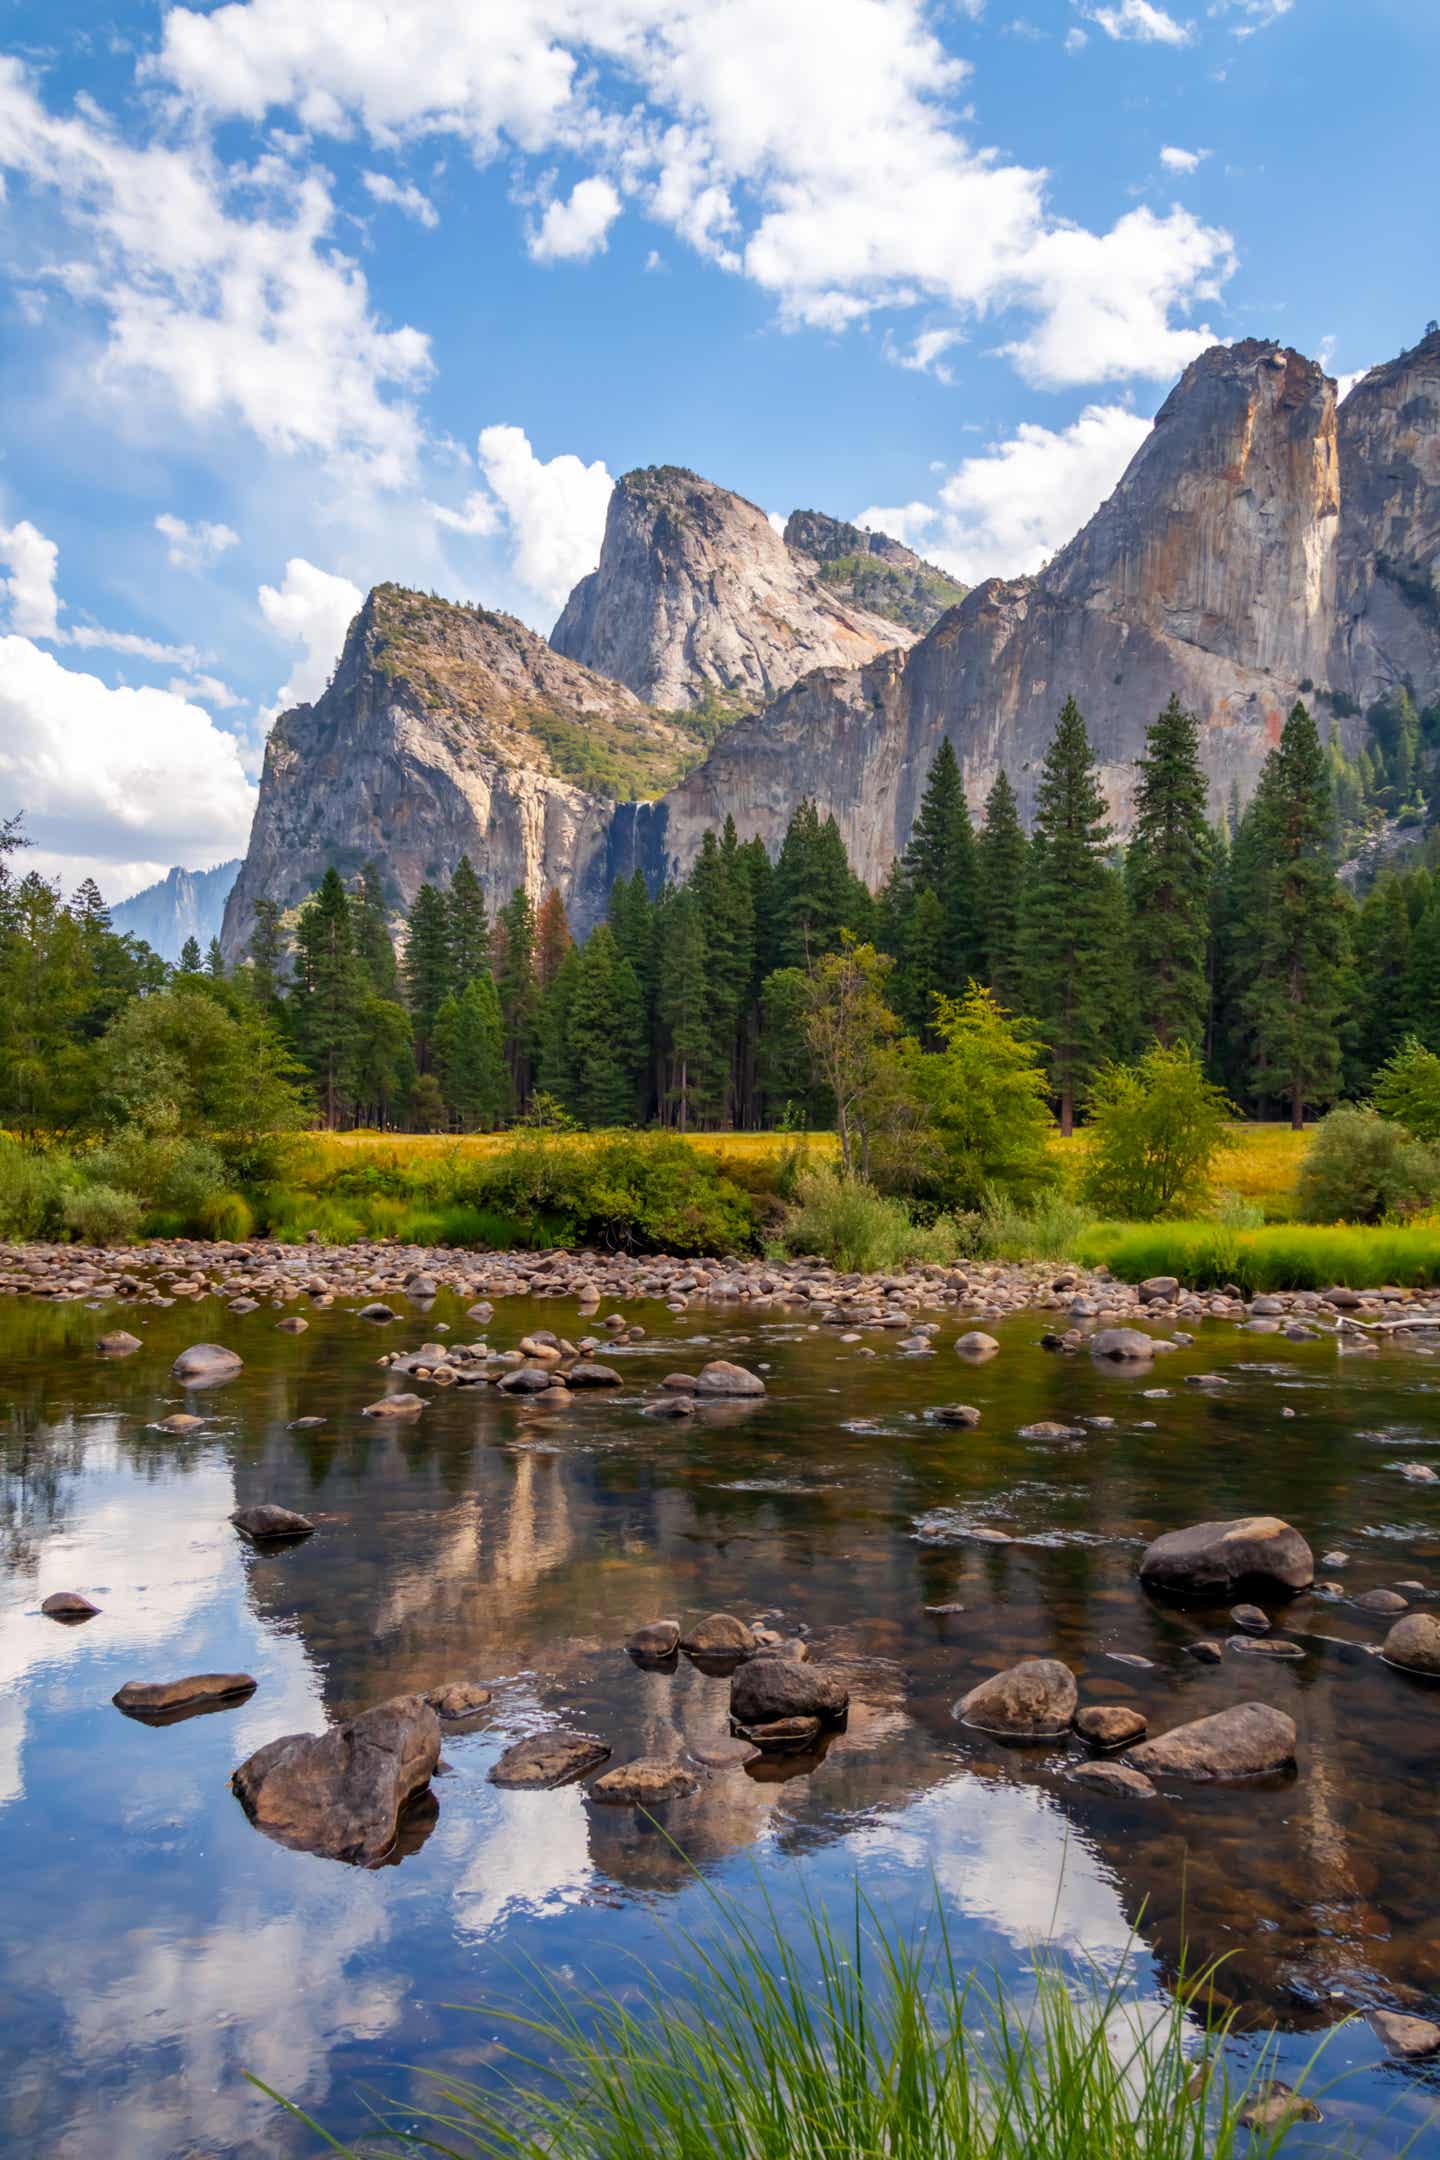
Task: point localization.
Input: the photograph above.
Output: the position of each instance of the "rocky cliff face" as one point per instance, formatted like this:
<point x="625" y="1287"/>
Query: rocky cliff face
<point x="449" y="731"/>
<point x="872" y="570"/>
<point x="1212" y="571"/>
<point x="1387" y="627"/>
<point x="185" y="904"/>
<point x="697" y="593"/>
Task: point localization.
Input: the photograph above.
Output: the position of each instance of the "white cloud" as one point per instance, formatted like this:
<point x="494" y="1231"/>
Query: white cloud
<point x="478" y="515"/>
<point x="553" y="509"/>
<point x="1182" y="161"/>
<point x="862" y="194"/>
<point x="1005" y="511"/>
<point x="221" y="285"/>
<point x="32" y="562"/>
<point x="574" y="230"/>
<point x="311" y="609"/>
<point x="205" y="690"/>
<point x="116" y="776"/>
<point x="194" y="547"/>
<point x="1258" y="14"/>
<point x="926" y="354"/>
<point x="95" y="638"/>
<point x="409" y="199"/>
<point x="1075" y="39"/>
<point x="1141" y="22"/>
<point x="1345" y="383"/>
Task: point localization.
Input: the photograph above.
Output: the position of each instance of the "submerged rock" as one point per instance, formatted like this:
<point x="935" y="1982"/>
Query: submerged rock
<point x="164" y="1698"/>
<point x="1273" y="2106"/>
<point x="646" y="1782"/>
<point x="459" y="1698"/>
<point x="786" y="1735"/>
<point x="341" y="1793"/>
<point x="1109" y="1724"/>
<point x="1251" y="1619"/>
<point x="772" y="1687"/>
<point x="548" y="1759"/>
<point x="1122" y="1346"/>
<point x="395" y="1406"/>
<point x="68" y="1605"/>
<point x="957" y="1413"/>
<point x="179" y="1421"/>
<point x="1410" y="2037"/>
<point x="118" y="1344"/>
<point x="268" y="1523"/>
<point x="1221" y="1555"/>
<point x="585" y="1373"/>
<point x="976" y="1345"/>
<point x="375" y="1311"/>
<point x="1245" y="1741"/>
<point x="1034" y="1700"/>
<point x="206" y="1364"/>
<point x="1382" y="1601"/>
<point x="1112" y="1777"/>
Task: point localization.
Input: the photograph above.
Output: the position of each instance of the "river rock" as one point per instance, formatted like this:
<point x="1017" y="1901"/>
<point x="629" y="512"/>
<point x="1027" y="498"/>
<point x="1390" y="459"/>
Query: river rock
<point x="292" y="1324"/>
<point x="657" y="1639"/>
<point x="1032" y="1700"/>
<point x="585" y="1373"/>
<point x="646" y="1782"/>
<point x="770" y="1687"/>
<point x="720" y="1377"/>
<point x="1411" y="2037"/>
<point x="1122" y="1346"/>
<point x="375" y="1311"/>
<point x="1159" y="1289"/>
<point x="392" y="1406"/>
<point x="671" y="1406"/>
<point x="548" y="1759"/>
<point x="1381" y="1601"/>
<point x="718" y="1635"/>
<point x="1414" y="1644"/>
<point x="957" y="1413"/>
<point x="459" y="1698"/>
<point x="1109" y="1724"/>
<point x="525" y="1380"/>
<point x="786" y="1735"/>
<point x="159" y="1698"/>
<point x="179" y="1421"/>
<point x="1112" y="1777"/>
<point x="1204" y="1653"/>
<point x="1245" y="1741"/>
<point x="976" y="1345"/>
<point x="1273" y="2106"/>
<point x="340" y="1793"/>
<point x="1251" y="1619"/>
<point x="1221" y="1555"/>
<point x="268" y="1523"/>
<point x="206" y="1364"/>
<point x="68" y="1605"/>
<point x="118" y="1344"/>
<point x="1263" y="1646"/>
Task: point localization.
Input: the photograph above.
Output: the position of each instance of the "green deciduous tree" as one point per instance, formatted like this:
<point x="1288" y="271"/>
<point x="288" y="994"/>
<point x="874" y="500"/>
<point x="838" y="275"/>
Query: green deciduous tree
<point x="986" y="1091"/>
<point x="1155" y="1129"/>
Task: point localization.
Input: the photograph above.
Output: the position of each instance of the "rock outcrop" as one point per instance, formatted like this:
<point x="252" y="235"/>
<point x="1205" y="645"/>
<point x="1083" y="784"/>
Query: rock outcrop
<point x="697" y="597"/>
<point x="1387" y="617"/>
<point x="449" y="731"/>
<point x="872" y="570"/>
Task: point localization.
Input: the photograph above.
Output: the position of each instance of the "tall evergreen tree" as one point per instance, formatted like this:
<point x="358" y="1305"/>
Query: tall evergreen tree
<point x="428" y="981"/>
<point x="816" y="896"/>
<point x="940" y="858"/>
<point x="1422" y="972"/>
<point x="683" y="1005"/>
<point x="720" y="887"/>
<point x="554" y="1073"/>
<point x="467" y="922"/>
<point x="552" y="938"/>
<point x="1072" y="964"/>
<point x="605" y="1051"/>
<point x="1001" y="859"/>
<point x="1168" y="876"/>
<point x="519" y="989"/>
<point x="1382" y="957"/>
<point x="267" y="956"/>
<point x="327" y="996"/>
<point x="374" y="946"/>
<point x="470" y="1053"/>
<point x="214" y="961"/>
<point x="1295" y="996"/>
<point x="190" y="956"/>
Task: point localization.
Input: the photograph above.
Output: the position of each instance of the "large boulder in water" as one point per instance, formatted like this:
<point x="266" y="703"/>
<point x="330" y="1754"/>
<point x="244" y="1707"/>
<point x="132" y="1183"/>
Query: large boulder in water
<point x="268" y="1523"/>
<point x="1245" y="1741"/>
<point x="206" y="1364"/>
<point x="720" y="1377"/>
<point x="1414" y="1644"/>
<point x="1034" y="1700"/>
<point x="161" y="1700"/>
<point x="547" y="1759"/>
<point x="1122" y="1346"/>
<point x="770" y="1688"/>
<point x="341" y="1793"/>
<point x="718" y="1635"/>
<point x="1221" y="1555"/>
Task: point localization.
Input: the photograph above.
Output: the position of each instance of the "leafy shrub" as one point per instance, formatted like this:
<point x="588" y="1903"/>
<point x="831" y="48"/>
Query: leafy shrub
<point x="1407" y="1089"/>
<point x="99" y="1215"/>
<point x="1155" y="1128"/>
<point x="985" y="1091"/>
<point x="1363" y="1168"/>
<point x="636" y="1192"/>
<point x="1051" y="1229"/>
<point x="164" y="1172"/>
<point x="33" y="1191"/>
<point x="225" y="1215"/>
<point x="844" y="1221"/>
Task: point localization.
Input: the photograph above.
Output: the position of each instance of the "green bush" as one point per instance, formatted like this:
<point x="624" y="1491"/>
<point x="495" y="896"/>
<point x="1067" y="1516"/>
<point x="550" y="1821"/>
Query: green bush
<point x="1407" y="1089"/>
<point x="166" y="1173"/>
<point x="844" y="1221"/>
<point x="99" y="1215"/>
<point x="1155" y="1129"/>
<point x="33" y="1192"/>
<point x="226" y="1215"/>
<point x="1362" y="1168"/>
<point x="985" y="1091"/>
<point x="636" y="1192"/>
<point x="1050" y="1229"/>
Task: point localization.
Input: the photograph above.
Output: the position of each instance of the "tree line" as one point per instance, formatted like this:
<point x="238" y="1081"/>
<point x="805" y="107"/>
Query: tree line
<point x="697" y="1006"/>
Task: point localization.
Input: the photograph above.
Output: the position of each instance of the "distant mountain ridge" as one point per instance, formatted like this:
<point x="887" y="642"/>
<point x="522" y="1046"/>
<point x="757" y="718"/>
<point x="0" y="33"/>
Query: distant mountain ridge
<point x="1261" y="545"/>
<point x="873" y="570"/>
<point x="184" y="904"/>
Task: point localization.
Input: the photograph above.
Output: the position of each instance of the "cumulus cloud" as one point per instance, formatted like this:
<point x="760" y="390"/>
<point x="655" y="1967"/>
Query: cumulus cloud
<point x="194" y="547"/>
<point x="575" y="229"/>
<point x="32" y="562"/>
<point x="95" y="638"/>
<point x="863" y="194"/>
<point x="925" y="355"/>
<point x="407" y="198"/>
<point x="1257" y="14"/>
<point x="1141" y="22"/>
<point x="221" y="285"/>
<point x="1003" y="512"/>
<point x="120" y="777"/>
<point x="312" y="610"/>
<point x="205" y="690"/>
<point x="553" y="510"/>
<point x="1176" y="160"/>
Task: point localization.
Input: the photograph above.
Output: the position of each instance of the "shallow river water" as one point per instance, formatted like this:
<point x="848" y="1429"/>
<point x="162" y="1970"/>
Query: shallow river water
<point x="155" y="1946"/>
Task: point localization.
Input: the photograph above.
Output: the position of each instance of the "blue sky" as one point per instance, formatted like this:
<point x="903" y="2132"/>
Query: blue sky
<point x="298" y="298"/>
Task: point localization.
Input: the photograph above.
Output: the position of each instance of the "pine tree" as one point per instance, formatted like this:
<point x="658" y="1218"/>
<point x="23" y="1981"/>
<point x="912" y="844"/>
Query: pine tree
<point x="603" y="1033"/>
<point x="940" y="858"/>
<point x="721" y="891"/>
<point x="267" y="956"/>
<point x="519" y="990"/>
<point x="1070" y="942"/>
<point x="467" y="922"/>
<point x="554" y="1072"/>
<point x="373" y="943"/>
<point x="470" y="1053"/>
<point x="428" y="980"/>
<point x="683" y="1003"/>
<point x="816" y="896"/>
<point x="214" y="961"/>
<point x="1298" y="974"/>
<point x="1001" y="860"/>
<point x="1168" y="876"/>
<point x="1422" y="972"/>
<point x="190" y="956"/>
<point x="328" y="994"/>
<point x="552" y="938"/>
<point x="1382" y="964"/>
<point x="926" y="969"/>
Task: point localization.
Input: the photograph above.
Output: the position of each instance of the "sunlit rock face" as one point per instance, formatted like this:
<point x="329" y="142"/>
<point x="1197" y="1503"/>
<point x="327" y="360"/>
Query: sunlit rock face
<point x="696" y="592"/>
<point x="1387" y="628"/>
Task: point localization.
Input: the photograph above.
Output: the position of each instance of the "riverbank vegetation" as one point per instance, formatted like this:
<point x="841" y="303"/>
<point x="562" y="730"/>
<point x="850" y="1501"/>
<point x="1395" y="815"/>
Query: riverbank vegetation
<point x="809" y="2041"/>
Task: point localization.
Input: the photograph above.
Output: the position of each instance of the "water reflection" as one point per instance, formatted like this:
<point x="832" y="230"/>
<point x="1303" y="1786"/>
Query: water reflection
<point x="155" y="1946"/>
